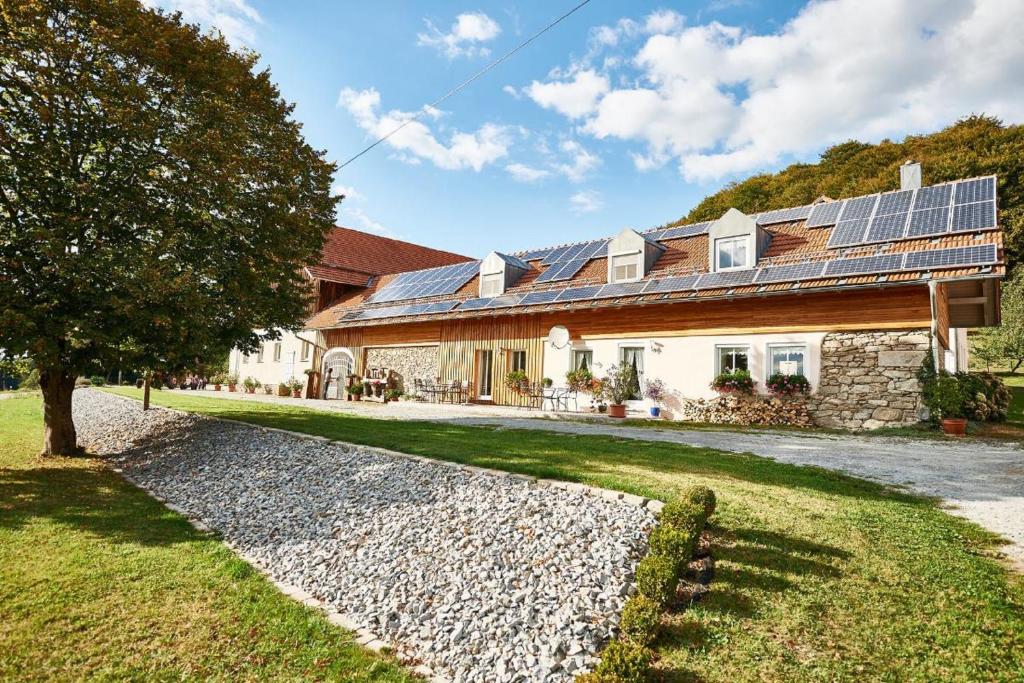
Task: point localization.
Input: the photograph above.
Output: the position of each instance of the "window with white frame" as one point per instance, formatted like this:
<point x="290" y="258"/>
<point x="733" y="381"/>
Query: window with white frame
<point x="582" y="359"/>
<point x="277" y="352"/>
<point x="517" y="361"/>
<point x="306" y="349"/>
<point x="732" y="358"/>
<point x="626" y="267"/>
<point x="492" y="284"/>
<point x="259" y="354"/>
<point x="632" y="357"/>
<point x="732" y="253"/>
<point x="787" y="359"/>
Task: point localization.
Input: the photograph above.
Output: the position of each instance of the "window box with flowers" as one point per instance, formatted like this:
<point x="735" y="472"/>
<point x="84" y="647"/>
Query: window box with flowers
<point x="735" y="382"/>
<point x="781" y="384"/>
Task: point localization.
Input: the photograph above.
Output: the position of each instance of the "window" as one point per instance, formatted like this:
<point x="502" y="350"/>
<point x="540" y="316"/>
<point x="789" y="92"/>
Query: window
<point x="517" y="361"/>
<point x="625" y="267"/>
<point x="277" y="352"/>
<point x="632" y="357"/>
<point x="582" y="360"/>
<point x="786" y="359"/>
<point x="306" y="348"/>
<point x="259" y="353"/>
<point x="731" y="253"/>
<point x="733" y="358"/>
<point x="492" y="284"/>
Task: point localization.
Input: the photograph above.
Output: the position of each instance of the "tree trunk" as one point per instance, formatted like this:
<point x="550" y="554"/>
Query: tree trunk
<point x="145" y="392"/>
<point x="59" y="437"/>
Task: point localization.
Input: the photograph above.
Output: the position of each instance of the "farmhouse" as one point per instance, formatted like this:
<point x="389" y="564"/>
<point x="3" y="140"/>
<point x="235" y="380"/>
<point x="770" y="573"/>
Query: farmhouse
<point x="350" y="262"/>
<point x="853" y="294"/>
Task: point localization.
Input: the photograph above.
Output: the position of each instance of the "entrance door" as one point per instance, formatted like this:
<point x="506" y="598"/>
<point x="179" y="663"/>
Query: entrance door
<point x="633" y="357"/>
<point x="339" y="363"/>
<point x="484" y="374"/>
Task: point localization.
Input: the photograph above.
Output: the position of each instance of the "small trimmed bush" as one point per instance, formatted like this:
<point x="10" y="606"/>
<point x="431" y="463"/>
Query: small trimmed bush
<point x="657" y="577"/>
<point x="703" y="496"/>
<point x="97" y="381"/>
<point x="683" y="514"/>
<point x="641" y="618"/>
<point x="673" y="543"/>
<point x="624" y="662"/>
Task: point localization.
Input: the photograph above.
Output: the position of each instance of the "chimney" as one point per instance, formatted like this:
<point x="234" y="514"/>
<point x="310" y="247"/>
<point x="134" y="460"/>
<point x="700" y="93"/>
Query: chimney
<point x="910" y="175"/>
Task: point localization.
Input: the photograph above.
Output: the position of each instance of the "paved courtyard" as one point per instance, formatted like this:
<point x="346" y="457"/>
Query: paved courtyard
<point x="983" y="482"/>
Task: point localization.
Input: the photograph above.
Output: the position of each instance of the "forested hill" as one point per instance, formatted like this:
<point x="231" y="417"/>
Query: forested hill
<point x="978" y="145"/>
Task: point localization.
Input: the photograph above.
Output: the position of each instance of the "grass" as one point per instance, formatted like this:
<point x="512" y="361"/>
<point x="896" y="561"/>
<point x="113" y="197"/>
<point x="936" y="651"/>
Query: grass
<point x="98" y="581"/>
<point x="820" y="576"/>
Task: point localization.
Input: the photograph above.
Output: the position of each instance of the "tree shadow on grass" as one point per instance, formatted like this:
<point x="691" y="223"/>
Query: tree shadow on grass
<point x="92" y="500"/>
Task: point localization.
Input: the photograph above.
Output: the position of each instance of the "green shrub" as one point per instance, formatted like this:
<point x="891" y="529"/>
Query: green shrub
<point x="31" y="380"/>
<point x="703" y="496"/>
<point x="787" y="385"/>
<point x="657" y="577"/>
<point x="597" y="678"/>
<point x="735" y="382"/>
<point x="97" y="381"/>
<point x="946" y="397"/>
<point x="624" y="662"/>
<point x="987" y="398"/>
<point x="676" y="544"/>
<point x="641" y="618"/>
<point x="683" y="514"/>
<point x="156" y="383"/>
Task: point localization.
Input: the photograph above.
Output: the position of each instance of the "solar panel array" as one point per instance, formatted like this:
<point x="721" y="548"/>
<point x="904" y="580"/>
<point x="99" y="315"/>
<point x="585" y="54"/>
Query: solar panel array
<point x="825" y="214"/>
<point x="679" y="232"/>
<point x="983" y="254"/>
<point x="430" y="282"/>
<point x="564" y="262"/>
<point x="797" y="213"/>
<point x="963" y="206"/>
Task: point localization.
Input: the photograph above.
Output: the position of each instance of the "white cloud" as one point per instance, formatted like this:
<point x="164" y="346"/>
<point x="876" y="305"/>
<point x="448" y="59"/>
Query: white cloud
<point x="351" y="193"/>
<point x="581" y="161"/>
<point x="464" y="37"/>
<point x="355" y="217"/>
<point x="526" y="174"/>
<point x="510" y="90"/>
<point x="585" y="201"/>
<point x="720" y="100"/>
<point x="235" y="19"/>
<point x="573" y="98"/>
<point x="416" y="141"/>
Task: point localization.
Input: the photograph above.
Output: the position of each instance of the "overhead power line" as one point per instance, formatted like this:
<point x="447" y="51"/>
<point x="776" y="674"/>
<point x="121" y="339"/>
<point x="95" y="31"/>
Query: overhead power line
<point x="466" y="82"/>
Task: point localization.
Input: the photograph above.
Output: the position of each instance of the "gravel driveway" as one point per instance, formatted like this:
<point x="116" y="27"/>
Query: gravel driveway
<point x="481" y="577"/>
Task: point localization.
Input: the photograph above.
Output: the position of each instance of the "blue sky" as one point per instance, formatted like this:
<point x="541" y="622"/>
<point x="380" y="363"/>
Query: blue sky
<point x="624" y="115"/>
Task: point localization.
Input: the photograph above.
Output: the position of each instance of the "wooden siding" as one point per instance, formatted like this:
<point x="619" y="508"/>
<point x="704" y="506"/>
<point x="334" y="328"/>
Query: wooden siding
<point x="942" y="315"/>
<point x="462" y="339"/>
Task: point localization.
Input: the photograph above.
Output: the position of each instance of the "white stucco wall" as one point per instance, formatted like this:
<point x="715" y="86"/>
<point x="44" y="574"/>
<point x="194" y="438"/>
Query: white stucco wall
<point x="270" y="371"/>
<point x="685" y="364"/>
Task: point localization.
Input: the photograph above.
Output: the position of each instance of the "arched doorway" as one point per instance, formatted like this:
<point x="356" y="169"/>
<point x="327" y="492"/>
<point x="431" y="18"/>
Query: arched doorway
<point x="338" y="365"/>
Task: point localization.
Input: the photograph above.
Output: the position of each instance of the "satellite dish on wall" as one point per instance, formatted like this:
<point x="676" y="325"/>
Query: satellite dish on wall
<point x="558" y="337"/>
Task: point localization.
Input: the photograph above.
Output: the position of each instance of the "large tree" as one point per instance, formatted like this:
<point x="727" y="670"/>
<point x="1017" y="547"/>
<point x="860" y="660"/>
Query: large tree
<point x="156" y="196"/>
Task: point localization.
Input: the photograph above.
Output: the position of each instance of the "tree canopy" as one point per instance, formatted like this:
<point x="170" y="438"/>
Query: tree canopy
<point x="977" y="145"/>
<point x="157" y="199"/>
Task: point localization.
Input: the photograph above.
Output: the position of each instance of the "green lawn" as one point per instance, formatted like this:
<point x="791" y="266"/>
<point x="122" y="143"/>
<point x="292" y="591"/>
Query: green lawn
<point x="98" y="581"/>
<point x="820" y="576"/>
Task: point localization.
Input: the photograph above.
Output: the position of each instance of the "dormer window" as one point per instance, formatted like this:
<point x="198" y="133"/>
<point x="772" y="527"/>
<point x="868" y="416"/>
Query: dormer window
<point x="492" y="284"/>
<point x="626" y="267"/>
<point x="732" y="253"/>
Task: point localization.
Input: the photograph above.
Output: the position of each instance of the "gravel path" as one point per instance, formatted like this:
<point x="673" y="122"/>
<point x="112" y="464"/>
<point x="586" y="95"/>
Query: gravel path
<point x="481" y="577"/>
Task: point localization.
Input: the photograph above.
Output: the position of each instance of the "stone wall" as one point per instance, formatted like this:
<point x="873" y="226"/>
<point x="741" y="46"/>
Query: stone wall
<point x="869" y="379"/>
<point x="407" y="362"/>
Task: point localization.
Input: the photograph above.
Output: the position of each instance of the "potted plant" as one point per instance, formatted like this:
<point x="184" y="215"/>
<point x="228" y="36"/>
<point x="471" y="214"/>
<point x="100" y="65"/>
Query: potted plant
<point x="516" y="381"/>
<point x="293" y="387"/>
<point x="788" y="385"/>
<point x="356" y="391"/>
<point x="734" y="382"/>
<point x="548" y="382"/>
<point x="251" y="385"/>
<point x="268" y="389"/>
<point x="946" y="400"/>
<point x="598" y="390"/>
<point x="218" y="379"/>
<point x="232" y="381"/>
<point x="580" y="380"/>
<point x="393" y="394"/>
<point x="654" y="390"/>
<point x="367" y="388"/>
<point x="619" y="386"/>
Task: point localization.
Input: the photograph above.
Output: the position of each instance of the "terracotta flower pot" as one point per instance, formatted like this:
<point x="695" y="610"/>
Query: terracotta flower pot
<point x="357" y="397"/>
<point x="251" y="390"/>
<point x="216" y="387"/>
<point x="297" y="393"/>
<point x="954" y="426"/>
<point x="232" y="387"/>
<point x="617" y="410"/>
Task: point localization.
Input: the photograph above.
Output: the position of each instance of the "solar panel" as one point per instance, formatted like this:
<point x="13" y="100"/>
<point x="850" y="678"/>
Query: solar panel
<point x="562" y="271"/>
<point x="928" y="222"/>
<point x="554" y="255"/>
<point x="977" y="190"/>
<point x="848" y="233"/>
<point x="933" y="197"/>
<point x="549" y="274"/>
<point x="671" y="284"/>
<point x="793" y="271"/>
<point x="798" y="213"/>
<point x="440" y="306"/>
<point x="622" y="289"/>
<point x="680" y="231"/>
<point x="504" y="301"/>
<point x="730" y="278"/>
<point x="429" y="282"/>
<point x="352" y="315"/>
<point x="824" y="214"/>
<point x="858" y="208"/>
<point x="957" y="256"/>
<point x="474" y="304"/>
<point x="535" y="254"/>
<point x="886" y="228"/>
<point x="534" y="298"/>
<point x="865" y="265"/>
<point x="979" y="216"/>
<point x="894" y="202"/>
<point x="577" y="293"/>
